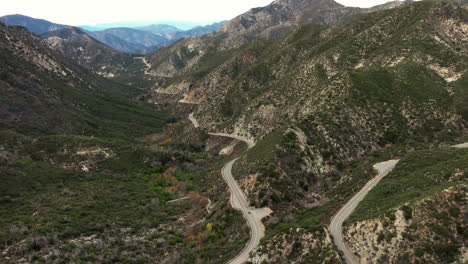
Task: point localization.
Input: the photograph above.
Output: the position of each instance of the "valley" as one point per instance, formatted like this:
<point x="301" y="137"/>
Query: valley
<point x="304" y="131"/>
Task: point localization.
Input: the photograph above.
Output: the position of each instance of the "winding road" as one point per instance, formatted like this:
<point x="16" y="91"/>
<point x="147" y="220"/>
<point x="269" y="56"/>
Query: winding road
<point x="336" y="224"/>
<point x="148" y="66"/>
<point x="239" y="201"/>
<point x="254" y="216"/>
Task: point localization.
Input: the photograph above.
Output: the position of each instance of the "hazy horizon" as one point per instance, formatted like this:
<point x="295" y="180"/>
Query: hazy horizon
<point x="94" y="13"/>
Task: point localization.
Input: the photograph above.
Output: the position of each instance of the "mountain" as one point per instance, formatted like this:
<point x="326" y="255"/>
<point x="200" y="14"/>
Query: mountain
<point x="182" y="25"/>
<point x="266" y="23"/>
<point x="43" y="92"/>
<point x="86" y="51"/>
<point x="333" y="102"/>
<point x="35" y="25"/>
<point x="325" y="103"/>
<point x="129" y="40"/>
<point x="139" y="40"/>
<point x="198" y="31"/>
<point x="167" y="31"/>
<point x="75" y="161"/>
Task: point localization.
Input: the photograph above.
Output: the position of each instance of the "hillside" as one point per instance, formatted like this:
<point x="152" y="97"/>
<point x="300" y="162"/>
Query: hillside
<point x="34" y="25"/>
<point x="264" y="23"/>
<point x="424" y="195"/>
<point x="282" y="112"/>
<point x="88" y="174"/>
<point x="323" y="104"/>
<point x="44" y="92"/>
<point x="129" y="40"/>
<point x="88" y="52"/>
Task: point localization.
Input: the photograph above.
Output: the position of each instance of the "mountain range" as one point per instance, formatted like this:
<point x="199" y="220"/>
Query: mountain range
<point x="109" y="157"/>
<point x="139" y="40"/>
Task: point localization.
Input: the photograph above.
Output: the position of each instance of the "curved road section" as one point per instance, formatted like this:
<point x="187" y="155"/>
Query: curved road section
<point x="252" y="215"/>
<point x="336" y="225"/>
<point x="239" y="202"/>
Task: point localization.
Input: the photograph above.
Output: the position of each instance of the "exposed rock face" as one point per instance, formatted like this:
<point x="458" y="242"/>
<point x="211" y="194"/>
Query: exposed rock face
<point x="426" y="231"/>
<point x="88" y="52"/>
<point x="297" y="246"/>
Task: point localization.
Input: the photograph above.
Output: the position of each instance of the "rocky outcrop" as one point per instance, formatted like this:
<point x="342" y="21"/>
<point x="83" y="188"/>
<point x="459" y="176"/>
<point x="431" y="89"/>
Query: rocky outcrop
<point x="296" y="246"/>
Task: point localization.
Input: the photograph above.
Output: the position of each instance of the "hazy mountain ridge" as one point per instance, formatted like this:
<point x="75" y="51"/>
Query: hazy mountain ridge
<point x="88" y="52"/>
<point x="35" y="25"/>
<point x="139" y="40"/>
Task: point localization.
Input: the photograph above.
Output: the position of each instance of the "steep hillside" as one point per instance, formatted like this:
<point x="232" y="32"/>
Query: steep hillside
<point x="88" y="175"/>
<point x="88" y="52"/>
<point x="346" y="97"/>
<point x="357" y="62"/>
<point x="35" y="25"/>
<point x="198" y="31"/>
<point x="324" y="104"/>
<point x="265" y="23"/>
<point x="45" y="93"/>
<point x="425" y="196"/>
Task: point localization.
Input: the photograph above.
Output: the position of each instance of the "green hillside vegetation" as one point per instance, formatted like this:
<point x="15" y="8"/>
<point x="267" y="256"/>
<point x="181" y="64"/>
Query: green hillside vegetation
<point x="418" y="175"/>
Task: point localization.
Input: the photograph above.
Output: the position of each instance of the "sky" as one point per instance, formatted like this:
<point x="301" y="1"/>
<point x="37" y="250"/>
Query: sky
<point x="92" y="12"/>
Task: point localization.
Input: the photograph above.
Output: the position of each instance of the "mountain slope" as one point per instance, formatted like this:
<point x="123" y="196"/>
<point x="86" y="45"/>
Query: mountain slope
<point x="425" y="195"/>
<point x="35" y="25"/>
<point x="129" y="40"/>
<point x="198" y="31"/>
<point x="265" y="23"/>
<point x="167" y="31"/>
<point x="46" y="93"/>
<point x="81" y="162"/>
<point x="88" y="52"/>
<point x="323" y="104"/>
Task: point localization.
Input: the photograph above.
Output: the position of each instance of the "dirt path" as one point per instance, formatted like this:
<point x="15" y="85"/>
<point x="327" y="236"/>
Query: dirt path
<point x="148" y="66"/>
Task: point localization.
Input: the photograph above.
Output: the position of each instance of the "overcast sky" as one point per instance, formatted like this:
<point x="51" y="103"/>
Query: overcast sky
<point x="91" y="12"/>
